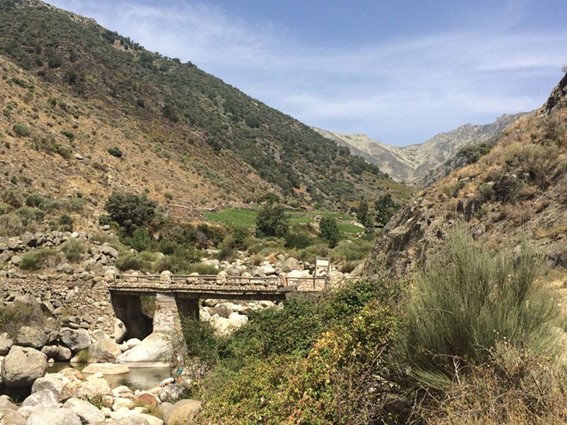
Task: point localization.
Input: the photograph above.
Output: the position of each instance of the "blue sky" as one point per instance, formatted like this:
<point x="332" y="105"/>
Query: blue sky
<point x="400" y="71"/>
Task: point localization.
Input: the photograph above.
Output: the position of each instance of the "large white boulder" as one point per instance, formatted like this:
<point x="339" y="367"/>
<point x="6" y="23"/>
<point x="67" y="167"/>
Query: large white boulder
<point x="53" y="416"/>
<point x="22" y="366"/>
<point x="87" y="412"/>
<point x="104" y="350"/>
<point x="155" y="348"/>
<point x="107" y="368"/>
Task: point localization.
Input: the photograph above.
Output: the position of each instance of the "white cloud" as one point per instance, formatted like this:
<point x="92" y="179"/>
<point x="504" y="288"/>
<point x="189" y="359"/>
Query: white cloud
<point x="399" y="91"/>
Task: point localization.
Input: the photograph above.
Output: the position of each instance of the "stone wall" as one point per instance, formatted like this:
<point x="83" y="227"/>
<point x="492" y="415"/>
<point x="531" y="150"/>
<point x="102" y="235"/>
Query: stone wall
<point x="76" y="300"/>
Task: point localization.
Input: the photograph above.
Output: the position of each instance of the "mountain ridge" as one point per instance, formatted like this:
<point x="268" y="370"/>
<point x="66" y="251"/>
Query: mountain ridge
<point x="420" y="164"/>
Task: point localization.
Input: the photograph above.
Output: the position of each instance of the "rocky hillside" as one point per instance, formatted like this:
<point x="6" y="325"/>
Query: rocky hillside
<point x="423" y="163"/>
<point x="518" y="190"/>
<point x="88" y="111"/>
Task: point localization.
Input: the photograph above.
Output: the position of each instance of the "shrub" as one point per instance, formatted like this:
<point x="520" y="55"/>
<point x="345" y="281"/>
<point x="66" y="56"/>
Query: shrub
<point x="467" y="301"/>
<point x="115" y="151"/>
<point x="18" y="314"/>
<point x="298" y="240"/>
<point x="129" y="261"/>
<point x="130" y="211"/>
<point x="65" y="223"/>
<point x="10" y="225"/>
<point x="13" y="198"/>
<point x="21" y="130"/>
<point x="40" y="258"/>
<point x="201" y="340"/>
<point x="272" y="220"/>
<point x="73" y="249"/>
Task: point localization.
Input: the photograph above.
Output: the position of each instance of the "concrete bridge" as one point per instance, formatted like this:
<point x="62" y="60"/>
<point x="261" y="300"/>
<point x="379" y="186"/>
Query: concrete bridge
<point x="178" y="295"/>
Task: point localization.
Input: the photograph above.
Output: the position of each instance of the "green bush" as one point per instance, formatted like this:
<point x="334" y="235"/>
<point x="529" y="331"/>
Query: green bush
<point x="115" y="151"/>
<point x="65" y="223"/>
<point x="18" y="314"/>
<point x="298" y="240"/>
<point x="73" y="249"/>
<point x="130" y="261"/>
<point x="21" y="130"/>
<point x="13" y="197"/>
<point x="467" y="301"/>
<point x="201" y="340"/>
<point x="11" y="225"/>
<point x="40" y="258"/>
<point x="130" y="211"/>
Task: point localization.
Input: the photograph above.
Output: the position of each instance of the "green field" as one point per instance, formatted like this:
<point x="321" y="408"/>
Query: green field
<point x="246" y="218"/>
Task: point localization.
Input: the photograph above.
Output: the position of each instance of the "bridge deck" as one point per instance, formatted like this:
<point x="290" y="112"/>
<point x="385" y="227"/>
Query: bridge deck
<point x="211" y="286"/>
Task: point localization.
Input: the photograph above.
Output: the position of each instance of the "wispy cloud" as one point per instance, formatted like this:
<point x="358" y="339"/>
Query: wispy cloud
<point x="400" y="91"/>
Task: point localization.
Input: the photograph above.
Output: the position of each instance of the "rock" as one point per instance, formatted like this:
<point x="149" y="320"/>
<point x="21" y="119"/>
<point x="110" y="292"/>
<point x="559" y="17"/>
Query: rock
<point x="132" y="342"/>
<point x="119" y="331"/>
<point x="120" y="403"/>
<point x="108" y="250"/>
<point x="146" y="399"/>
<point x="50" y="382"/>
<point x="106" y="369"/>
<point x="16" y="260"/>
<point x="183" y="412"/>
<point x="22" y="366"/>
<point x="164" y="410"/>
<point x="47" y="307"/>
<point x="53" y="416"/>
<point x="87" y="412"/>
<point x="266" y="269"/>
<point x="75" y="339"/>
<point x="11" y="417"/>
<point x="57" y="352"/>
<point x="290" y="264"/>
<point x="31" y="337"/>
<point x="6" y="402"/>
<point x="43" y="398"/>
<point x="105" y="350"/>
<point x="222" y="277"/>
<point x="93" y="387"/>
<point x="5" y="344"/>
<point x="130" y="420"/>
<point x="156" y="347"/>
<point x="173" y="393"/>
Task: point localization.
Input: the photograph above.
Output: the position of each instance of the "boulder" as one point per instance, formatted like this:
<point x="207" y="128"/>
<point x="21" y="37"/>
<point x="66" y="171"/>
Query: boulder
<point x="172" y="393"/>
<point x="104" y="350"/>
<point x="57" y="353"/>
<point x="183" y="412"/>
<point x="156" y="347"/>
<point x="22" y="366"/>
<point x="87" y="412"/>
<point x="53" y="416"/>
<point x="7" y="403"/>
<point x="106" y="369"/>
<point x="75" y="339"/>
<point x="43" y="398"/>
<point x="132" y="342"/>
<point x="53" y="383"/>
<point x="11" y="417"/>
<point x="290" y="264"/>
<point x="94" y="386"/>
<point x="31" y="337"/>
<point x="266" y="269"/>
<point x="119" y="331"/>
<point x="5" y="344"/>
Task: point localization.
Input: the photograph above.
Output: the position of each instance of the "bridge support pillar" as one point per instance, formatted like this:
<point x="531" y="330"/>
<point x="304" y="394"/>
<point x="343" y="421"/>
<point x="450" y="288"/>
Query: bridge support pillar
<point x="188" y="308"/>
<point x="128" y="308"/>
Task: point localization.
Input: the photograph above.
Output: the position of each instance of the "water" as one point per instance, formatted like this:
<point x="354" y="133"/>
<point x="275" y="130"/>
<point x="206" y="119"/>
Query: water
<point x="139" y="378"/>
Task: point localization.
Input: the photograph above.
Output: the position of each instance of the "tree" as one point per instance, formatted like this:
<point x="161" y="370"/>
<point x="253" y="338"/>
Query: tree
<point x="130" y="211"/>
<point x="363" y="215"/>
<point x="385" y="207"/>
<point x="272" y="221"/>
<point x="329" y="230"/>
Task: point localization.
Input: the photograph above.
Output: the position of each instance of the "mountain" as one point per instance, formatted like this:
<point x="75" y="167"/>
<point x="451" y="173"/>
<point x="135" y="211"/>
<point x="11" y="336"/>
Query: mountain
<point x="88" y="111"/>
<point x="517" y="191"/>
<point x="423" y="163"/>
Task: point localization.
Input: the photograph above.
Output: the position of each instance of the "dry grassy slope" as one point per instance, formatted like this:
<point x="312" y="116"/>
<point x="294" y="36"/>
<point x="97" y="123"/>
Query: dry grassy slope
<point x="154" y="160"/>
<point x="517" y="190"/>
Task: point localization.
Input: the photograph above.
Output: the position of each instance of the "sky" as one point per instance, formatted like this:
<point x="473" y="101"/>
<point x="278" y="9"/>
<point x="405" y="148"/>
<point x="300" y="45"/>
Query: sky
<point x="399" y="71"/>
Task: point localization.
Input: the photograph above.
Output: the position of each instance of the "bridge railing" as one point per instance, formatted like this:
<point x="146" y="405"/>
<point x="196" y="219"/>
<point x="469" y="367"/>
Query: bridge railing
<point x="274" y="283"/>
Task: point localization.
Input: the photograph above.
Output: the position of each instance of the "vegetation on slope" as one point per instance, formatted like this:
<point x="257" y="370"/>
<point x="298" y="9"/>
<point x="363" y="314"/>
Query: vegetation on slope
<point x="475" y="342"/>
<point x="166" y="96"/>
